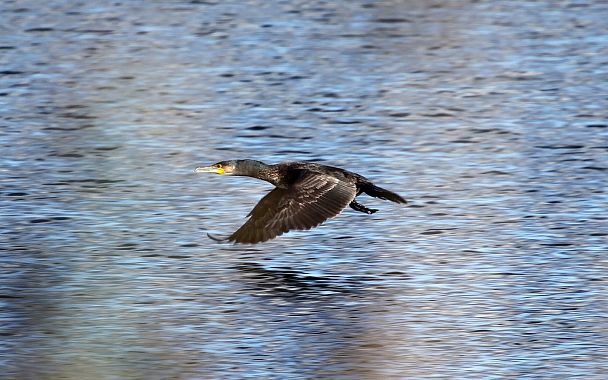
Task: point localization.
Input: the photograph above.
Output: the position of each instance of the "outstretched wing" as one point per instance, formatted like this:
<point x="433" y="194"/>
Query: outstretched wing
<point x="310" y="200"/>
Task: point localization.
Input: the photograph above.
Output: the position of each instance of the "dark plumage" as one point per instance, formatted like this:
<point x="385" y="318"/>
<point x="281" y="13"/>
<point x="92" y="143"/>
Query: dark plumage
<point x="305" y="196"/>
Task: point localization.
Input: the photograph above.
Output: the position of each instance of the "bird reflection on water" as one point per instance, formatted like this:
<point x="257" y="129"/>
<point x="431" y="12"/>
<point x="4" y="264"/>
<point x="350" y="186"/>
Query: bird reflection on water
<point x="288" y="282"/>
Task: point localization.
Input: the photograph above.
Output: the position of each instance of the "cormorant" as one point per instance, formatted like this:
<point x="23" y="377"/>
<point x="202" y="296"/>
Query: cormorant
<point x="305" y="196"/>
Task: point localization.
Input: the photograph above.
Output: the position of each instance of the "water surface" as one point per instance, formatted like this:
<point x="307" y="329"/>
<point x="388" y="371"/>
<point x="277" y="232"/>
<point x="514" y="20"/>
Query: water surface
<point x="490" y="117"/>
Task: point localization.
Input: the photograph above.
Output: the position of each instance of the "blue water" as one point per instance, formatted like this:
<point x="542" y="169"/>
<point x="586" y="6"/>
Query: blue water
<point x="489" y="117"/>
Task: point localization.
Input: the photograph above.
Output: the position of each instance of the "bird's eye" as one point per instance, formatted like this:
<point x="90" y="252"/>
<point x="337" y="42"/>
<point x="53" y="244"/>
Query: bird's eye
<point x="217" y="166"/>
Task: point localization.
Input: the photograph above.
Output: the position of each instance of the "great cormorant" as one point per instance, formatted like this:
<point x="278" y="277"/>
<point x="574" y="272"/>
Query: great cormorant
<point x="305" y="196"/>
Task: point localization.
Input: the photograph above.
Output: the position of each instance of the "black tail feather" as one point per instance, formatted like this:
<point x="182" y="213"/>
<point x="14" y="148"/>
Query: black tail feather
<point x="378" y="192"/>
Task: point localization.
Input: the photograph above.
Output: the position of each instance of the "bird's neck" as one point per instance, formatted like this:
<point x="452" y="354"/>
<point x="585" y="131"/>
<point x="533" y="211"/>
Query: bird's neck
<point x="260" y="170"/>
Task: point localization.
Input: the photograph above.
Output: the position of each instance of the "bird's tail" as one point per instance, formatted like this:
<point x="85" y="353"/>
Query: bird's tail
<point x="378" y="192"/>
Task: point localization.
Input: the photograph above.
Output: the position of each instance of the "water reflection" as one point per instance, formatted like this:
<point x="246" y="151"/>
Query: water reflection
<point x="325" y="323"/>
<point x="288" y="282"/>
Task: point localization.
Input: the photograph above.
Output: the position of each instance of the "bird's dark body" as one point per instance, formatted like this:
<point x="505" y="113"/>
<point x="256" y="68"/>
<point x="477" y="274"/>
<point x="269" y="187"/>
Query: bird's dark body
<point x="306" y="195"/>
<point x="288" y="174"/>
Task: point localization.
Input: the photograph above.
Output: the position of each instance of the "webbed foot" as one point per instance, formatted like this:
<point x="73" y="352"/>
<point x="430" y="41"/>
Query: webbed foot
<point x="359" y="207"/>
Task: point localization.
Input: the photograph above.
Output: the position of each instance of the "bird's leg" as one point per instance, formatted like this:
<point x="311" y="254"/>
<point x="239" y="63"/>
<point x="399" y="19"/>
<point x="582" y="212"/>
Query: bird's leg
<point x="359" y="207"/>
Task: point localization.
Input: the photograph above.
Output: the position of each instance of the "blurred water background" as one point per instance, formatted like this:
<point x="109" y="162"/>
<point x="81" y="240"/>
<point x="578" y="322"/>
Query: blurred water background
<point x="490" y="117"/>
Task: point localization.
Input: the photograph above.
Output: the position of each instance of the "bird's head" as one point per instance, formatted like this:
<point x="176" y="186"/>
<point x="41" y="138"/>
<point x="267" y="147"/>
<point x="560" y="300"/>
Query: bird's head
<point x="224" y="167"/>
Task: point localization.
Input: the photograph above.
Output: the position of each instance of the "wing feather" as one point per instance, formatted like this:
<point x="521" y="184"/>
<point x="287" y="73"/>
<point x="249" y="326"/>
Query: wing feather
<point x="310" y="200"/>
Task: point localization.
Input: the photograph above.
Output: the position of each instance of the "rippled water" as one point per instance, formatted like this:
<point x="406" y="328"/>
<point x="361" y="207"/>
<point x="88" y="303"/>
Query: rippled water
<point x="490" y="117"/>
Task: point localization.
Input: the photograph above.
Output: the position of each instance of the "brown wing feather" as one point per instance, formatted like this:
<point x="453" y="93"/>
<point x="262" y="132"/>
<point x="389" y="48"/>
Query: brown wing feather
<point x="309" y="201"/>
<point x="253" y="230"/>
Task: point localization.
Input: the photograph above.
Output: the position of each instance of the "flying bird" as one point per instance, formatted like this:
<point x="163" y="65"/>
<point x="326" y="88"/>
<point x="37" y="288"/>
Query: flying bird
<point x="306" y="195"/>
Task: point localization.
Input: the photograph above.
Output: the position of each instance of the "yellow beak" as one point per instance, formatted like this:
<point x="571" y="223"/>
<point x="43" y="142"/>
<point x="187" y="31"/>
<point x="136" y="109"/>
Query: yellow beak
<point x="209" y="169"/>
